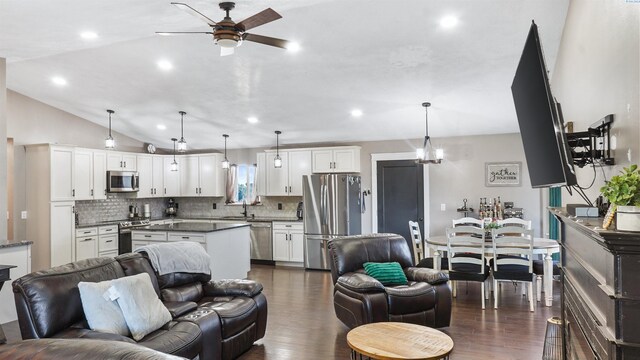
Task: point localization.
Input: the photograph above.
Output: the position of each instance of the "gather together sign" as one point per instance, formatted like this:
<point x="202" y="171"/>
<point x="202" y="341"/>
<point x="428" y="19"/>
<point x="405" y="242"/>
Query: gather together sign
<point x="502" y="174"/>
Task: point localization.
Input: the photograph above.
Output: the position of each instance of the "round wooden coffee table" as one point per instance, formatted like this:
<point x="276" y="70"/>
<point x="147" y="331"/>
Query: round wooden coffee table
<point x="393" y="341"/>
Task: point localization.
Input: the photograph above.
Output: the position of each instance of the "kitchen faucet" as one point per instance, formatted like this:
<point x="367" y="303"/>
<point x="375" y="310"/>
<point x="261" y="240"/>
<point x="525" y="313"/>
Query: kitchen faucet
<point x="244" y="207"/>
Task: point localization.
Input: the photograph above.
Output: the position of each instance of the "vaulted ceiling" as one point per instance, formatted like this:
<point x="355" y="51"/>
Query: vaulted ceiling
<point x="382" y="57"/>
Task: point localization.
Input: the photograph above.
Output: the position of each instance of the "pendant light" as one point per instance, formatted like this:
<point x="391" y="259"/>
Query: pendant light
<point x="277" y="162"/>
<point x="182" y="144"/>
<point x="225" y="162"/>
<point x="174" y="163"/>
<point x="109" y="143"/>
<point x="428" y="155"/>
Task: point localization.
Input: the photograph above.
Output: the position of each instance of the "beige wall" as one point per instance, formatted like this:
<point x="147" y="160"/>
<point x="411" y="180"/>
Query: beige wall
<point x="3" y="148"/>
<point x="32" y="122"/>
<point x="597" y="73"/>
<point x="461" y="175"/>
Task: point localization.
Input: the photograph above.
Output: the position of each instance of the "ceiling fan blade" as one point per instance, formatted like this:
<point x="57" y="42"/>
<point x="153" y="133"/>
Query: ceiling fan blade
<point x="261" y="18"/>
<point x="225" y="51"/>
<point x="266" y="40"/>
<point x="194" y="12"/>
<point x="169" y="33"/>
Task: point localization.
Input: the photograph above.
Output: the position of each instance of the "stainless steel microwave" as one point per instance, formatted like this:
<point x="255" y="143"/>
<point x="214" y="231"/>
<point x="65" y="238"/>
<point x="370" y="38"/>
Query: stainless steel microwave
<point x="122" y="181"/>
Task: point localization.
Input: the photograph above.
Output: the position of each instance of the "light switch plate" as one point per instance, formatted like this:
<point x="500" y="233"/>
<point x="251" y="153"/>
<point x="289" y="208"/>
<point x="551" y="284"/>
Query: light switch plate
<point x="443" y="207"/>
<point x="23" y="215"/>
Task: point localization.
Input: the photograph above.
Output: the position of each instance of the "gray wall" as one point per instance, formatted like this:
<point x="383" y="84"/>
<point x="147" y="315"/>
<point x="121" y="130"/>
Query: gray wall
<point x="3" y="148"/>
<point x="597" y="73"/>
<point x="461" y="175"/>
<point x="32" y="122"/>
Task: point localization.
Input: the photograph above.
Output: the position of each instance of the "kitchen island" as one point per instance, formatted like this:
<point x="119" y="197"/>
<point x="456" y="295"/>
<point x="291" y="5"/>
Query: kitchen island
<point x="228" y="244"/>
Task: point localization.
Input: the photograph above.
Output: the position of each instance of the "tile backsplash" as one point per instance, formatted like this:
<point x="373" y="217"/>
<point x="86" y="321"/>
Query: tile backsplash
<point x="116" y="207"/>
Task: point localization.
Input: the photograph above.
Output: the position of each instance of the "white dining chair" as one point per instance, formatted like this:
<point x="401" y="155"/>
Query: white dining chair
<point x="469" y="221"/>
<point x="512" y="259"/>
<point x="515" y="222"/>
<point x="466" y="248"/>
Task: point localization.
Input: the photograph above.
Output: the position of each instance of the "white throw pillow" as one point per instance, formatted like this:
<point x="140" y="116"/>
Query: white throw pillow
<point x="103" y="314"/>
<point x="142" y="309"/>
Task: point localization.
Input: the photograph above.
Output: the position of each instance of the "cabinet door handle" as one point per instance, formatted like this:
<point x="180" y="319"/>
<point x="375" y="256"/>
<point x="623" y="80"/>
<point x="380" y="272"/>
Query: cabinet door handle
<point x="105" y="192"/>
<point x="289" y="189"/>
<point x="107" y="230"/>
<point x="147" y="236"/>
<point x="186" y="237"/>
<point x="87" y="239"/>
<point x="73" y="192"/>
<point x="165" y="191"/>
<point x="125" y="164"/>
<point x="285" y="189"/>
<point x="121" y="164"/>
<point x="91" y="192"/>
<point x="109" y="241"/>
<point x="87" y="232"/>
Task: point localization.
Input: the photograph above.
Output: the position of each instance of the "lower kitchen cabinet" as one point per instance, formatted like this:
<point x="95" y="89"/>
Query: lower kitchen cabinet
<point x="288" y="242"/>
<point x="96" y="242"/>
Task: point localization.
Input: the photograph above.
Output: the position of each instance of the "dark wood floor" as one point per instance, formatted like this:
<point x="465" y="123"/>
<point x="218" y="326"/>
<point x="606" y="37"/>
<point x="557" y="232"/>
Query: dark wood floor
<point x="302" y="323"/>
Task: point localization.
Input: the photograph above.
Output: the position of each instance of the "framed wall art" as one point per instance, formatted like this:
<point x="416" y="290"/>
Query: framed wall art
<point x="503" y="173"/>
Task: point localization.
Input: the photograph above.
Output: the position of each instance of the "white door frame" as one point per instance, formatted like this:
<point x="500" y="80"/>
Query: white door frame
<point x="374" y="187"/>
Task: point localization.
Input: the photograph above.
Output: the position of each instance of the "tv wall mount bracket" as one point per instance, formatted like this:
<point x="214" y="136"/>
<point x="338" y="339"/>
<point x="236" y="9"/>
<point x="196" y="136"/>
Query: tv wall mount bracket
<point x="594" y="145"/>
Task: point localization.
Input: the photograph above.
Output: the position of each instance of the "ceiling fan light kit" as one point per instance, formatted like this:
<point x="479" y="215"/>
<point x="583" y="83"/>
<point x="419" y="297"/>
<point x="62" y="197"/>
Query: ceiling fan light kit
<point x="109" y="143"/>
<point x="228" y="34"/>
<point x="427" y="154"/>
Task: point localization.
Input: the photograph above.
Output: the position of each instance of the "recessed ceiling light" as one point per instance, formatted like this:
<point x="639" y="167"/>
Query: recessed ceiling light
<point x="293" y="46"/>
<point x="58" y="80"/>
<point x="161" y="127"/>
<point x="448" y="22"/>
<point x="165" y="65"/>
<point x="88" y="35"/>
<point x="252" y="120"/>
<point x="356" y="112"/>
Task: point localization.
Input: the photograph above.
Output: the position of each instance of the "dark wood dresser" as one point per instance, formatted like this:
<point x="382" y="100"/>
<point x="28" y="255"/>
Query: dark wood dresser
<point x="600" y="289"/>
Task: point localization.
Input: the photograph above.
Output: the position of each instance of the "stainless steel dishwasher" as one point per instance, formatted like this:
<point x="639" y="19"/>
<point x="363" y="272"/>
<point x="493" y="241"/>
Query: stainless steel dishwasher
<point x="261" y="241"/>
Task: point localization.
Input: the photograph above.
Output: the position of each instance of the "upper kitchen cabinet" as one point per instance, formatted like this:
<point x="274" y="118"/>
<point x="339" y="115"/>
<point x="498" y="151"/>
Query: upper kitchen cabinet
<point x="343" y="159"/>
<point x="89" y="174"/>
<point x="151" y="175"/>
<point x="201" y="175"/>
<point x="287" y="180"/>
<point x="60" y="164"/>
<point x="117" y="161"/>
<point x="261" y="175"/>
<point x="171" y="178"/>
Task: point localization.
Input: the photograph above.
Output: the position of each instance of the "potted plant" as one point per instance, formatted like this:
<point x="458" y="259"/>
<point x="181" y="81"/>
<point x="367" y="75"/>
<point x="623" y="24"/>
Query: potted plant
<point x="623" y="192"/>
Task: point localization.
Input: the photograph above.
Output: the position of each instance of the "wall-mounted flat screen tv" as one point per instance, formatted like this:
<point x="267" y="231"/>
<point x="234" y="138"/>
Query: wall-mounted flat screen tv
<point x="545" y="143"/>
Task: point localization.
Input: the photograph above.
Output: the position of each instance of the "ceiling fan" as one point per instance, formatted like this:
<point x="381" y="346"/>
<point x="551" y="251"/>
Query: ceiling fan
<point x="229" y="34"/>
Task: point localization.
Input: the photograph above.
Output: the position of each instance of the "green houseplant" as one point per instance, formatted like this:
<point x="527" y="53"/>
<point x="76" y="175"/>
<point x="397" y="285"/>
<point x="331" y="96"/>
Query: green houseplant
<point x="623" y="192"/>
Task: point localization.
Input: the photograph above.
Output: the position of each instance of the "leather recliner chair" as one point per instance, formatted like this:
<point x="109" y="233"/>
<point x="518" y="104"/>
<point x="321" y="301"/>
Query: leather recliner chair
<point x="360" y="299"/>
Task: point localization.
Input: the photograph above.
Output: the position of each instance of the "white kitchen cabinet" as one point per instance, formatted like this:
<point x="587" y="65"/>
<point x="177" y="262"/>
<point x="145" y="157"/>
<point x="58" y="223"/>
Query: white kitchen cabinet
<point x="201" y="175"/>
<point x="151" y="176"/>
<point x="61" y="173"/>
<point x="89" y="174"/>
<point x="261" y="175"/>
<point x="136" y="244"/>
<point x="86" y="247"/>
<point x="99" y="174"/>
<point x="288" y="242"/>
<point x="171" y="178"/>
<point x="287" y="180"/>
<point x="107" y="244"/>
<point x="61" y="247"/>
<point x="343" y="159"/>
<point x="118" y="161"/>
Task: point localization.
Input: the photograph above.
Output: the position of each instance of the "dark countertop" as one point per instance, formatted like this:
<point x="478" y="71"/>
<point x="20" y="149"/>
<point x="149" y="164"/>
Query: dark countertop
<point x="14" y="243"/>
<point x="190" y="227"/>
<point x="249" y="219"/>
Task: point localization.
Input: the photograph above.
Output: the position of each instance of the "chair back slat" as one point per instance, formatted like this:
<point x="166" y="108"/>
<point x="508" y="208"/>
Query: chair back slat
<point x="512" y="240"/>
<point x="466" y="246"/>
<point x="468" y="221"/>
<point x="515" y="222"/>
<point x="416" y="241"/>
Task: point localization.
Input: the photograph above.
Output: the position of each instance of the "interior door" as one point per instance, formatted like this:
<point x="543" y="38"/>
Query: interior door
<point x="400" y="196"/>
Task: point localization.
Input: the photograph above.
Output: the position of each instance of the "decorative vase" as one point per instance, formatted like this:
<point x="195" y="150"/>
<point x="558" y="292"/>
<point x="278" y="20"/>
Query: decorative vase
<point x="628" y="218"/>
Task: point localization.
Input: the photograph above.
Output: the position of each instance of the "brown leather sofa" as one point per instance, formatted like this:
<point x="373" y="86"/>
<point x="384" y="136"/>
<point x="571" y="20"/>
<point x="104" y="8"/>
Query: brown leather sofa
<point x="211" y="319"/>
<point x="360" y="299"/>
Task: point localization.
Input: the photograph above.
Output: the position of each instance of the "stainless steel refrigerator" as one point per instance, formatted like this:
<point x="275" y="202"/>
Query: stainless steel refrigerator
<point x="332" y="208"/>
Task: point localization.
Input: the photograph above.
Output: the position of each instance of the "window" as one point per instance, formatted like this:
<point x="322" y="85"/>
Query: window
<point x="241" y="184"/>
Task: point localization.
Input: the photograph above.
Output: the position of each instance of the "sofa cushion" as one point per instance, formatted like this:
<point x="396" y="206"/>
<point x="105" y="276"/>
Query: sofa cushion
<point x="389" y="273"/>
<point x="188" y="292"/>
<point x="236" y="313"/>
<point x="137" y="263"/>
<point x="179" y="338"/>
<point x="140" y="305"/>
<point x="50" y="300"/>
<point x="102" y="313"/>
<point x="411" y="298"/>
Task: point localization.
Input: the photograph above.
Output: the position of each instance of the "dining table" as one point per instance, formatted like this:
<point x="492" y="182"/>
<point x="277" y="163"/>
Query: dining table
<point x="543" y="246"/>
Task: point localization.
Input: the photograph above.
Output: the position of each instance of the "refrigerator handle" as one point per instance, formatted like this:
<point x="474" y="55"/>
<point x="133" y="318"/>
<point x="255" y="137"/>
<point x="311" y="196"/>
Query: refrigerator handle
<point x="323" y="204"/>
